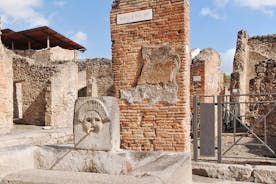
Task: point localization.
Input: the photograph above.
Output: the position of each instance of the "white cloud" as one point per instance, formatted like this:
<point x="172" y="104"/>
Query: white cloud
<point x="257" y="4"/>
<point x="80" y="37"/>
<point x="59" y="3"/>
<point x="210" y="13"/>
<point x="262" y="5"/>
<point x="227" y="59"/>
<point x="23" y="10"/>
<point x="221" y="3"/>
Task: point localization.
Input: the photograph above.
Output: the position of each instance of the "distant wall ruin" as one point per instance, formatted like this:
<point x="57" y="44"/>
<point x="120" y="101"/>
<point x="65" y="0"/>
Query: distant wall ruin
<point x="150" y="55"/>
<point x="265" y="81"/>
<point x="48" y="90"/>
<point x="254" y="73"/>
<point x="99" y="69"/>
<point x="250" y="51"/>
<point x="49" y="54"/>
<point x="206" y="77"/>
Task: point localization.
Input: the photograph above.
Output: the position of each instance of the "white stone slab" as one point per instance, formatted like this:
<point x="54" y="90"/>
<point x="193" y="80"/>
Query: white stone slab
<point x="196" y="78"/>
<point x="137" y="16"/>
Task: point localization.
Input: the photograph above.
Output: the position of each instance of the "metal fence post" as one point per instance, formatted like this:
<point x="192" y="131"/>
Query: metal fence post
<point x="219" y="128"/>
<point x="195" y="124"/>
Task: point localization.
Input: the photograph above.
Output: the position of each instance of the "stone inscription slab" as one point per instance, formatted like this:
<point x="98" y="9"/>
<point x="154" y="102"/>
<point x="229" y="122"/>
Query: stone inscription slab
<point x="196" y="78"/>
<point x="137" y="16"/>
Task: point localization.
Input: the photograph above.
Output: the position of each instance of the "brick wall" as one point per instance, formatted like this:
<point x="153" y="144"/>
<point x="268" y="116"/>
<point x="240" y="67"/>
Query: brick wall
<point x="157" y="125"/>
<point x="6" y="91"/>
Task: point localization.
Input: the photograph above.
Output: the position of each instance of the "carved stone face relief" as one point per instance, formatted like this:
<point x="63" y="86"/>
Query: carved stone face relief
<point x="96" y="123"/>
<point x="92" y="122"/>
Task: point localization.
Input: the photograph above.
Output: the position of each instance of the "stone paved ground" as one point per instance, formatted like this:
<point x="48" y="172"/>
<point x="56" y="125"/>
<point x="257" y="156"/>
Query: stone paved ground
<point x="246" y="154"/>
<point x="205" y="180"/>
<point x="35" y="135"/>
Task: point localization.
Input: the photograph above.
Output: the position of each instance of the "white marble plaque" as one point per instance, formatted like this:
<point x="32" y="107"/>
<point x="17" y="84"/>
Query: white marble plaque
<point x="235" y="90"/>
<point x="137" y="16"/>
<point x="196" y="78"/>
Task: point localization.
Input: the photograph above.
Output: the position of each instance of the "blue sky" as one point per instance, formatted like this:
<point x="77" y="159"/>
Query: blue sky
<point x="214" y="23"/>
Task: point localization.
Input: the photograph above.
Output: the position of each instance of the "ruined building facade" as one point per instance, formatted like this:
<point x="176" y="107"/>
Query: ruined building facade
<point x="254" y="73"/>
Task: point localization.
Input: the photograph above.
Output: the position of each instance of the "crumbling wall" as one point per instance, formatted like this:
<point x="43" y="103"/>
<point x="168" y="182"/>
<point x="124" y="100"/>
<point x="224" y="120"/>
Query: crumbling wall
<point x="206" y="77"/>
<point x="250" y="51"/>
<point x="238" y="77"/>
<point x="264" y="82"/>
<point x="150" y="61"/>
<point x="61" y="94"/>
<point x="48" y="91"/>
<point x="34" y="78"/>
<point x="101" y="71"/>
<point x="49" y="54"/>
<point x="6" y="91"/>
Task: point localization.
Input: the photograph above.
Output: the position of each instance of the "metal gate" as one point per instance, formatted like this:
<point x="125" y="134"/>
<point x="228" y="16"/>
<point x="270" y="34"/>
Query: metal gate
<point x="237" y="116"/>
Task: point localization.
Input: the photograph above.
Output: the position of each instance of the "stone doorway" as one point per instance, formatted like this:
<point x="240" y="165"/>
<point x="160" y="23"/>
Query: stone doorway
<point x="18" y="102"/>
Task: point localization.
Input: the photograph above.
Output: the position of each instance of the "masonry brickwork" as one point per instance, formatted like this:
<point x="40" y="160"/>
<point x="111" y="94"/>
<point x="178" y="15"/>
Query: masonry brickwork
<point x="151" y="121"/>
<point x="49" y="54"/>
<point x="254" y="73"/>
<point x="6" y="91"/>
<point x="250" y="51"/>
<point x="47" y="98"/>
<point x="265" y="81"/>
<point x="101" y="71"/>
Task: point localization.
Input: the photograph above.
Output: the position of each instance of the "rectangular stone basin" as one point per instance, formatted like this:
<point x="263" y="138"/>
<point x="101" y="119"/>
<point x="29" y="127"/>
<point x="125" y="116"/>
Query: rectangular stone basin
<point x="64" y="164"/>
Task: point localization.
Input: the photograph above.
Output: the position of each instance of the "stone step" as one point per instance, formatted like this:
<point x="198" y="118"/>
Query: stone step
<point x="36" y="176"/>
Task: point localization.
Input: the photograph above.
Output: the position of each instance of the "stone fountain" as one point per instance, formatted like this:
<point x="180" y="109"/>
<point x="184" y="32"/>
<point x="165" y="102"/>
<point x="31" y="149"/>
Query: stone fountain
<point x="95" y="156"/>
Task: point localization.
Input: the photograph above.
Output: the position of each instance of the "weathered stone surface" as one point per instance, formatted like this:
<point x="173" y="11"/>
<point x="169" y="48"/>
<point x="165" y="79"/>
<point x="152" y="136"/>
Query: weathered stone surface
<point x="223" y="171"/>
<point x="47" y="96"/>
<point x="49" y="54"/>
<point x="249" y="52"/>
<point x="99" y="70"/>
<point x="6" y="91"/>
<point x="170" y="169"/>
<point x="160" y="65"/>
<point x="63" y="177"/>
<point x="96" y="124"/>
<point x="37" y="136"/>
<point x="153" y="93"/>
<point x="206" y="68"/>
<point x="265" y="174"/>
<point x="157" y="81"/>
<point x="61" y="94"/>
<point x="14" y="159"/>
<point x="264" y="82"/>
<point x="56" y="162"/>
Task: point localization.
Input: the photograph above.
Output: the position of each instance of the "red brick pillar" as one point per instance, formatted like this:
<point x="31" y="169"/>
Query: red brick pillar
<point x="151" y="65"/>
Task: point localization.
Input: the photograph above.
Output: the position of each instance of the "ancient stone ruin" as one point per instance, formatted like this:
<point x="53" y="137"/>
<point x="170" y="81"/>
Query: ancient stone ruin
<point x="127" y="120"/>
<point x="254" y="73"/>
<point x="206" y="76"/>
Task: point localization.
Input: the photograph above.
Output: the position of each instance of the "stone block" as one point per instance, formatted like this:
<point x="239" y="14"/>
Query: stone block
<point x="265" y="174"/>
<point x="97" y="124"/>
